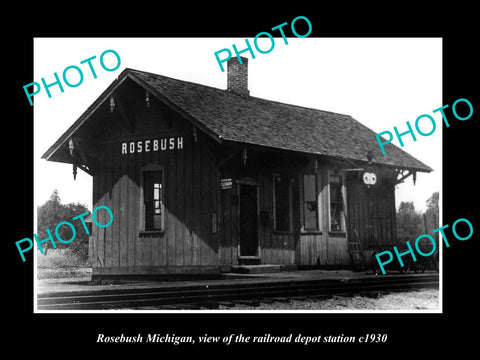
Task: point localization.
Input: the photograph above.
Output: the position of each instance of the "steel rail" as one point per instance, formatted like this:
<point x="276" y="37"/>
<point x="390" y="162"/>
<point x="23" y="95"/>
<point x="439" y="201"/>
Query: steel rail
<point x="211" y="293"/>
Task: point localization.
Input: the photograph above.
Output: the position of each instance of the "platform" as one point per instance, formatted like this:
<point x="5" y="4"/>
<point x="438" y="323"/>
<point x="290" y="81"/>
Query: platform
<point x="80" y="284"/>
<point x="256" y="269"/>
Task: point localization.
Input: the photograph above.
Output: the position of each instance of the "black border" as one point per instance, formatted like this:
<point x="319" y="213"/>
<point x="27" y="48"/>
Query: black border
<point x="408" y="334"/>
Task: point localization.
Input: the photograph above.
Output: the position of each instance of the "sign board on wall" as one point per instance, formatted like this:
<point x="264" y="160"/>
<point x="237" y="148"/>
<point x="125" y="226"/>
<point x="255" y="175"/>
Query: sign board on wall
<point x="226" y="184"/>
<point x="139" y="146"/>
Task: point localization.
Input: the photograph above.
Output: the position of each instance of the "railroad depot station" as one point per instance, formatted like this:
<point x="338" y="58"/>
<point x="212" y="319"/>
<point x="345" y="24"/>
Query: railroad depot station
<point x="206" y="180"/>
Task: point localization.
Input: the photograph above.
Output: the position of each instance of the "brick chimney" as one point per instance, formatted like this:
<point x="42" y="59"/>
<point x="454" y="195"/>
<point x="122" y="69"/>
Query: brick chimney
<point x="237" y="76"/>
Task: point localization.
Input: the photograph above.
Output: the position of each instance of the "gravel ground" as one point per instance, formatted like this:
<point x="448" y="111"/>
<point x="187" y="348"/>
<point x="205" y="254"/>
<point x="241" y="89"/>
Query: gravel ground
<point x="414" y="300"/>
<point x="64" y="273"/>
<point x="427" y="299"/>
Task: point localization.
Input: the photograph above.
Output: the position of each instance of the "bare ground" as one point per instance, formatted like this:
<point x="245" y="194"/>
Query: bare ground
<point x="414" y="300"/>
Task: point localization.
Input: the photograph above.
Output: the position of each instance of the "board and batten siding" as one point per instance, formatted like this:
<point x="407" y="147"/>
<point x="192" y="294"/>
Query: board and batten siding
<point x="322" y="247"/>
<point x="274" y="247"/>
<point x="190" y="198"/>
<point x="370" y="220"/>
<point x="371" y="213"/>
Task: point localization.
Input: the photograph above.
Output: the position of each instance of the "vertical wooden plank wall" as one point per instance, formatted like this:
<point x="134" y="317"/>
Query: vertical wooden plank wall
<point x="229" y="228"/>
<point x="275" y="248"/>
<point x="371" y="212"/>
<point x="267" y="240"/>
<point x="188" y="204"/>
<point x="191" y="196"/>
<point x="228" y="220"/>
<point x="133" y="194"/>
<point x="323" y="248"/>
<point x="197" y="204"/>
<point x="313" y="245"/>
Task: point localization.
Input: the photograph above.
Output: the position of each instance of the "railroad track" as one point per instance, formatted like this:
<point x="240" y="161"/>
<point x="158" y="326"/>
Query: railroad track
<point x="188" y="296"/>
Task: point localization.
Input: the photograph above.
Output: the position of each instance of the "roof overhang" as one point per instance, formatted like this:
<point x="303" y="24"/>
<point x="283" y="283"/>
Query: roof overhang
<point x="59" y="151"/>
<point x="126" y="74"/>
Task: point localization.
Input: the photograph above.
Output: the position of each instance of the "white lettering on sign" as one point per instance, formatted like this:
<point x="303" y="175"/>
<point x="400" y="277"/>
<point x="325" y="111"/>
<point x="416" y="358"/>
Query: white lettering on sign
<point x="139" y="146"/>
<point x="226" y="184"/>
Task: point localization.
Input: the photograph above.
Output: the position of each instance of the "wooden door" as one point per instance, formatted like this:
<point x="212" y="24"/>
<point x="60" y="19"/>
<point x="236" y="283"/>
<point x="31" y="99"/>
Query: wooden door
<point x="248" y="220"/>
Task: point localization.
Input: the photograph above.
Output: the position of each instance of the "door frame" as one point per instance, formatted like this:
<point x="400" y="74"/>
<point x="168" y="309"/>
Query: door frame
<point x="246" y="181"/>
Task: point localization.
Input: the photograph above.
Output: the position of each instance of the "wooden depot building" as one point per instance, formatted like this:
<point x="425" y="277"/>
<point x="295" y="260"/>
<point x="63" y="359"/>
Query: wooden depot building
<point x="204" y="180"/>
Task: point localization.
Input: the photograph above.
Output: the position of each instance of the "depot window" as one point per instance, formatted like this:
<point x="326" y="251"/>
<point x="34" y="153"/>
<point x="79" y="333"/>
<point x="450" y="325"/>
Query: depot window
<point x="310" y="203"/>
<point x="282" y="191"/>
<point x="337" y="202"/>
<point x="153" y="192"/>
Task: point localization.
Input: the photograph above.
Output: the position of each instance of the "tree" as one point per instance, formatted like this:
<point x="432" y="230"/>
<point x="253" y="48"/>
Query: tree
<point x="432" y="213"/>
<point x="409" y="222"/>
<point x="48" y="216"/>
<point x="78" y="247"/>
<point x="432" y="205"/>
<point x="53" y="212"/>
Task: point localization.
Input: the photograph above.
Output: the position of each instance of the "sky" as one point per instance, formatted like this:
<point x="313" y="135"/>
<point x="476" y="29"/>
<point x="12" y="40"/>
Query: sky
<point x="381" y="82"/>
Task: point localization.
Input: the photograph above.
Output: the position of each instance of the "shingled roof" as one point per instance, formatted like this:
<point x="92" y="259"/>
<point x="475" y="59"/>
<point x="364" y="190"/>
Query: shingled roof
<point x="251" y="120"/>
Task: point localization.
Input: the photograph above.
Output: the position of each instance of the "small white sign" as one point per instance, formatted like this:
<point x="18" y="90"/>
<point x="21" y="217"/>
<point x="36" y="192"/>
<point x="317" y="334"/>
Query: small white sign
<point x="226" y="184"/>
<point x="369" y="178"/>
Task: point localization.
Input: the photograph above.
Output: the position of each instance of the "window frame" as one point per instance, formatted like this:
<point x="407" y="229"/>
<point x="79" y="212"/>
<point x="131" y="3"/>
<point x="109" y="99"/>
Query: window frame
<point x="144" y="231"/>
<point x="317" y="229"/>
<point x="343" y="191"/>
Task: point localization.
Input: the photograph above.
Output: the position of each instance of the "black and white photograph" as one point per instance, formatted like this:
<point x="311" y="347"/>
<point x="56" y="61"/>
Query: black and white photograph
<point x="226" y="182"/>
<point x="254" y="183"/>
